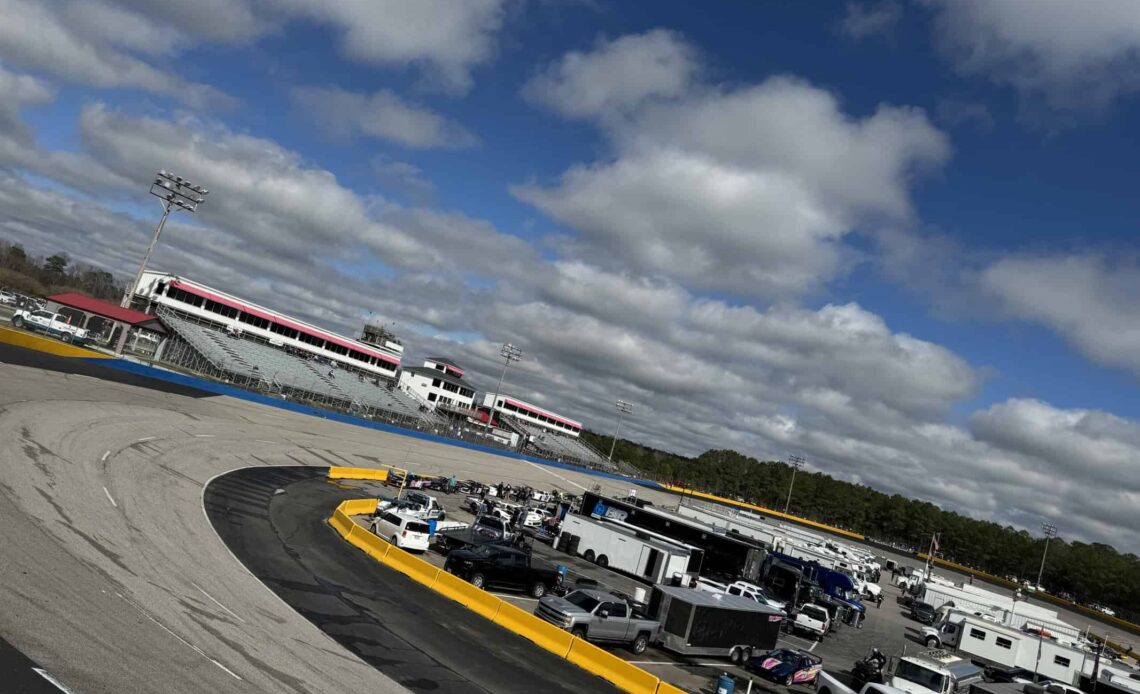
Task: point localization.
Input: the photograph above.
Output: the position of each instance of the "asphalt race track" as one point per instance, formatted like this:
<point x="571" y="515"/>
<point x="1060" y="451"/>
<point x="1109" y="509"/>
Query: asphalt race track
<point x="408" y="632"/>
<point x="114" y="580"/>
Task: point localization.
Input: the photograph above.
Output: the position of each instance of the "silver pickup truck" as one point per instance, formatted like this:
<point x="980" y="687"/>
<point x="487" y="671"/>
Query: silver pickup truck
<point x="599" y="617"/>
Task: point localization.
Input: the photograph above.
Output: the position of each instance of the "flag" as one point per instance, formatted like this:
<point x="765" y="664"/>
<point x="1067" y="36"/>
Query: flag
<point x="934" y="542"/>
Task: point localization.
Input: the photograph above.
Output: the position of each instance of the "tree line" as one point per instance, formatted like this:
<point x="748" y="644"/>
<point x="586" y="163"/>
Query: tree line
<point x="1093" y="573"/>
<point x="54" y="274"/>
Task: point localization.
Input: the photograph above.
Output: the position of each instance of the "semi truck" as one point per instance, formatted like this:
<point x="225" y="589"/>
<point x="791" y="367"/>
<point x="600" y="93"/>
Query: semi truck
<point x="625" y="549"/>
<point x="834" y="583"/>
<point x="696" y="623"/>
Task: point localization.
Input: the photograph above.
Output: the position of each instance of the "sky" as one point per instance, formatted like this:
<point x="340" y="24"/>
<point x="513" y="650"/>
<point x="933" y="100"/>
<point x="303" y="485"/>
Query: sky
<point x="894" y="237"/>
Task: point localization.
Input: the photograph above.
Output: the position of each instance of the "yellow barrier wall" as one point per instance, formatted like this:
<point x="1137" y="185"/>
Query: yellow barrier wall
<point x="357" y="473"/>
<point x="604" y="664"/>
<point x="666" y="688"/>
<point x="752" y="507"/>
<point x="541" y="632"/>
<point x="359" y="507"/>
<point x="366" y="540"/>
<point x="413" y="567"/>
<point x="341" y="522"/>
<point x="20" y="338"/>
<point x="475" y="599"/>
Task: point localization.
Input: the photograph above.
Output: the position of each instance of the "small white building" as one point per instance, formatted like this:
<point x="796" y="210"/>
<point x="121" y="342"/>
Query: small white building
<point x="532" y="414"/>
<point x="439" y="383"/>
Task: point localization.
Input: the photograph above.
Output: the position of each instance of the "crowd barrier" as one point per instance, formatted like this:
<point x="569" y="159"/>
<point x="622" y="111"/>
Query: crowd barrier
<point x="625" y="676"/>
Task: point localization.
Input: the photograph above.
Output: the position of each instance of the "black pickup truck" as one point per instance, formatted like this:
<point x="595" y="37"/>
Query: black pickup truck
<point x="496" y="566"/>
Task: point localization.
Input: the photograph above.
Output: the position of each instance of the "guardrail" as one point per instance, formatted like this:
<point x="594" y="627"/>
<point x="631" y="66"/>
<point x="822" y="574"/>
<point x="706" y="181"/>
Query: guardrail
<point x="625" y="676"/>
<point x="683" y="491"/>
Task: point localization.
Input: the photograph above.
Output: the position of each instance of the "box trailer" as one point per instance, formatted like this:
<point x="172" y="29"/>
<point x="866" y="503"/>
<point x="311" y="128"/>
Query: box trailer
<point x="623" y="548"/>
<point x="770" y="536"/>
<point x="696" y="623"/>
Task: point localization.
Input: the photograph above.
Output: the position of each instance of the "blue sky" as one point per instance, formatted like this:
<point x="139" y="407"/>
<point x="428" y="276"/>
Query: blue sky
<point x="894" y="237"/>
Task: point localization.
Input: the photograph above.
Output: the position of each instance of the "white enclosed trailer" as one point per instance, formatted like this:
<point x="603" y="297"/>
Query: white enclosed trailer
<point x="624" y="548"/>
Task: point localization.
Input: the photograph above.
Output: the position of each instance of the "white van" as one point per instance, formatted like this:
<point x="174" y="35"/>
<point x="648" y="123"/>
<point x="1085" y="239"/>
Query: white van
<point x="402" y="531"/>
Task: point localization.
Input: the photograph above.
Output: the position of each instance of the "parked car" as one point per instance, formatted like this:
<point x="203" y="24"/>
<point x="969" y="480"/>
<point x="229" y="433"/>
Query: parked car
<point x="406" y="532"/>
<point x="786" y="666"/>
<point x="496" y="566"/>
<point x="599" y="617"/>
<point x="922" y="612"/>
<point x="7" y="298"/>
<point x="49" y="323"/>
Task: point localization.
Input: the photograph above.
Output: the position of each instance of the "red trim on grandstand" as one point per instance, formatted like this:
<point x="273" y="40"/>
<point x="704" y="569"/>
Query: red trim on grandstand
<point x="313" y="332"/>
<point x="539" y="411"/>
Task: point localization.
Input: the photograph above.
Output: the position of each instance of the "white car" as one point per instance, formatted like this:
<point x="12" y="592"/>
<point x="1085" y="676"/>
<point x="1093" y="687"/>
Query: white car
<point x="812" y="619"/>
<point x="755" y="592"/>
<point x="49" y="323"/>
<point x="7" y="298"/>
<point x="402" y="531"/>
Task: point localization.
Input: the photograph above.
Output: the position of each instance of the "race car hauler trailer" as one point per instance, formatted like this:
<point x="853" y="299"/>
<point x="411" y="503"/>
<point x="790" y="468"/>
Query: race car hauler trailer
<point x="623" y="548"/>
<point x="726" y="556"/>
<point x="694" y="622"/>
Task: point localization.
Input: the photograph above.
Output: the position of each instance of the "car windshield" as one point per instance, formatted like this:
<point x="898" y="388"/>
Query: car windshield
<point x="583" y="600"/>
<point x="922" y="676"/>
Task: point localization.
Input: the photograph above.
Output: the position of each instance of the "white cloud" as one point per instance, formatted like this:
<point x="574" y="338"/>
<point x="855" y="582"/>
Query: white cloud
<point x="131" y="43"/>
<point x="382" y="115"/>
<point x="868" y="19"/>
<point x="749" y="191"/>
<point x="1090" y="300"/>
<point x="617" y="76"/>
<point x="1071" y="56"/>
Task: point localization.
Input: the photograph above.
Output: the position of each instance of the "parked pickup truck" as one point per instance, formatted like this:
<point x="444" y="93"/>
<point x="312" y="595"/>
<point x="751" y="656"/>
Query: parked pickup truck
<point x="826" y="683"/>
<point x="811" y="619"/>
<point x="599" y="617"/>
<point x="49" y="323"/>
<point x="496" y="566"/>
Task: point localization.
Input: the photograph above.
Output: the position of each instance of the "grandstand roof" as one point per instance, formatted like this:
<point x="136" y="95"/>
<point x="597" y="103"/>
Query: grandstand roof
<point x="448" y="362"/>
<point x="526" y="405"/>
<point x="107" y="310"/>
<point x="441" y="375"/>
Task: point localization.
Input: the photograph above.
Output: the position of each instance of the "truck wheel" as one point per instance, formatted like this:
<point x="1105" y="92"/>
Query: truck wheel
<point x="640" y="643"/>
<point x="588" y="555"/>
<point x="603" y="561"/>
<point x="736" y="655"/>
<point x="932" y="642"/>
<point x="66" y="337"/>
<point x="580" y="632"/>
<point x="538" y="589"/>
<point x="478" y="580"/>
<point x="18" y="321"/>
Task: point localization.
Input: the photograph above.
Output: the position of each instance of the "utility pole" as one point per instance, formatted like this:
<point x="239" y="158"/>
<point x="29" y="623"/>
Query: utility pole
<point x="623" y="408"/>
<point x="1050" y="531"/>
<point x="509" y="353"/>
<point x="796" y="462"/>
<point x="176" y="194"/>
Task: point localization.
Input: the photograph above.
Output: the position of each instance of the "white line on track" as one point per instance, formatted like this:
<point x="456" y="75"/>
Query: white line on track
<point x="551" y="472"/>
<point x="110" y="498"/>
<point x="812" y="646"/>
<point x="264" y="441"/>
<point x="215" y="601"/>
<point x="184" y="642"/>
<point x="58" y="685"/>
<point x="145" y="439"/>
<point x="105" y="456"/>
<point x="203" y="436"/>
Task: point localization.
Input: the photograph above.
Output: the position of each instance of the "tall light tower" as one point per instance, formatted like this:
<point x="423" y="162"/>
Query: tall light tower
<point x="1050" y="531"/>
<point x="509" y="353"/>
<point x="176" y="194"/>
<point x="796" y="462"/>
<point x="623" y="408"/>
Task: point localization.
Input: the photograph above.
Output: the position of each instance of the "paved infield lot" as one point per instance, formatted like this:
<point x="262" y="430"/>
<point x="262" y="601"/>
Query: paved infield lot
<point x="113" y="579"/>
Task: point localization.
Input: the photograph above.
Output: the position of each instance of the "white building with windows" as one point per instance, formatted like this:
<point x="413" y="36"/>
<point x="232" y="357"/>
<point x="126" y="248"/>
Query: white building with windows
<point x="237" y="315"/>
<point x="532" y="414"/>
<point x="439" y="384"/>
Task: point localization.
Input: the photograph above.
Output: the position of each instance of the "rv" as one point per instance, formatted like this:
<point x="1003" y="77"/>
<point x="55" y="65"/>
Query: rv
<point x="934" y="672"/>
<point x="624" y="549"/>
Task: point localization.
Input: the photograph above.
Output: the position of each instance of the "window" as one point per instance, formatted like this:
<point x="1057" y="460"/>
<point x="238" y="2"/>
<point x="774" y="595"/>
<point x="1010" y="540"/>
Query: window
<point x="617" y="609"/>
<point x="734" y="590"/>
<point x="978" y="634"/>
<point x="432" y="397"/>
<point x="1003" y="643"/>
<point x="1063" y="662"/>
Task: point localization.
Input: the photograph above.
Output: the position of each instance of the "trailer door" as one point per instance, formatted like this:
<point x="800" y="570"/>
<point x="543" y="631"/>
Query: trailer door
<point x="653" y="565"/>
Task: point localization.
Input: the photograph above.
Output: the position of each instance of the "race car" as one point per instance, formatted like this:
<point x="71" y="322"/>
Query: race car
<point x="786" y="666"/>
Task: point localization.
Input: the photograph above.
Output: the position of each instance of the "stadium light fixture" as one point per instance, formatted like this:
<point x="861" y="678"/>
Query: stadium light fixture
<point x="509" y="353"/>
<point x="176" y="194"/>
<point x="623" y="408"/>
<point x="796" y="462"/>
<point x="1050" y="531"/>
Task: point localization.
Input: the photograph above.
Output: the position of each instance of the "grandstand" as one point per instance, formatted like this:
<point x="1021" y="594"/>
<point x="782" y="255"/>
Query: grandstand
<point x="550" y="444"/>
<point x="250" y="363"/>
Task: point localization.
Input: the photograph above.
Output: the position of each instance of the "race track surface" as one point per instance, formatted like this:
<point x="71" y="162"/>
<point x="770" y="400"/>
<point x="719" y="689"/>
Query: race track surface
<point x="415" y="636"/>
<point x="112" y="579"/>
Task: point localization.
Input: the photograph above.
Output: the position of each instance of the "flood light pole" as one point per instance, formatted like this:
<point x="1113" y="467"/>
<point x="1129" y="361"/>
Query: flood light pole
<point x="1050" y="531"/>
<point x="176" y="194"/>
<point x="796" y="462"/>
<point x="623" y="409"/>
<point x="509" y="353"/>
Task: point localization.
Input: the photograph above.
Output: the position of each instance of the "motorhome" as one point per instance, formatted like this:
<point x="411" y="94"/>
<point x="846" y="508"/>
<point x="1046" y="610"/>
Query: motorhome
<point x="625" y="549"/>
